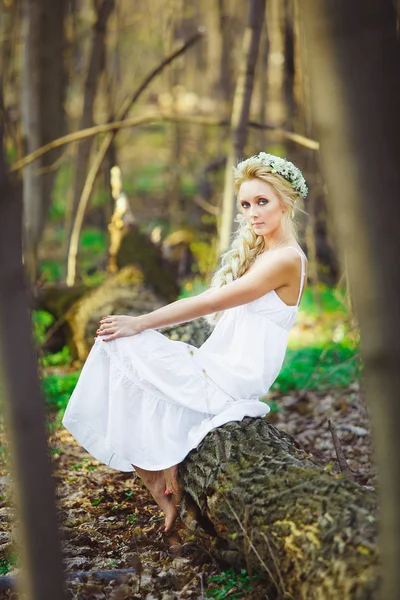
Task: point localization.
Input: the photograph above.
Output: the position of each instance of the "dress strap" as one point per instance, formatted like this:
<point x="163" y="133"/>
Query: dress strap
<point x="303" y="272"/>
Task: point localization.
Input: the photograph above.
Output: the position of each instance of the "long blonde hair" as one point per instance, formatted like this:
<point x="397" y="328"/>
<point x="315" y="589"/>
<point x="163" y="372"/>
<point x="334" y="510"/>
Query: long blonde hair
<point x="246" y="244"/>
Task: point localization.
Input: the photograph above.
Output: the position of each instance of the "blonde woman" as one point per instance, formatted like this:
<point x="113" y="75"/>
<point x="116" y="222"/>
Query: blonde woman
<point x="143" y="401"/>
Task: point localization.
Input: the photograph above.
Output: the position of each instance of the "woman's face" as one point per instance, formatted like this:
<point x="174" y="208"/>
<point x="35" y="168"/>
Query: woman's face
<point x="261" y="206"/>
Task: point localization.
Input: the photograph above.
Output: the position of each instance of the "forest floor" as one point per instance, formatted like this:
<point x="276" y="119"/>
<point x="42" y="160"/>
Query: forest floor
<point x="109" y="521"/>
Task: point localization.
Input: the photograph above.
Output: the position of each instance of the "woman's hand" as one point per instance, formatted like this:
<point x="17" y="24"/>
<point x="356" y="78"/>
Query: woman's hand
<point x="115" y="326"/>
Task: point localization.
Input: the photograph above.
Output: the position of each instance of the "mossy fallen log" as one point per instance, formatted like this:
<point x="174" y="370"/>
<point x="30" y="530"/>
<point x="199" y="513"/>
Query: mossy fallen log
<point x="310" y="533"/>
<point x="123" y="293"/>
<point x="137" y="249"/>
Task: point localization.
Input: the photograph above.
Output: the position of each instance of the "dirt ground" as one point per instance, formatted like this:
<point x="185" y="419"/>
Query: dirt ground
<point x="108" y="520"/>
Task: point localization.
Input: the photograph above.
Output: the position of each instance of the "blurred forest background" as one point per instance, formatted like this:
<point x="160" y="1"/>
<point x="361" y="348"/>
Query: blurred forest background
<point x="73" y="65"/>
<point x="151" y="101"/>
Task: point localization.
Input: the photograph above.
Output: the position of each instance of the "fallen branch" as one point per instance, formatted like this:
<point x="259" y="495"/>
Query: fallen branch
<point x="344" y="467"/>
<point x="10" y="582"/>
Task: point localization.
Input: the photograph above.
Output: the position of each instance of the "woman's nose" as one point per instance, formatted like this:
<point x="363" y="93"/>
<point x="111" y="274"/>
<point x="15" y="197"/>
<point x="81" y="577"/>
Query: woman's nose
<point x="253" y="211"/>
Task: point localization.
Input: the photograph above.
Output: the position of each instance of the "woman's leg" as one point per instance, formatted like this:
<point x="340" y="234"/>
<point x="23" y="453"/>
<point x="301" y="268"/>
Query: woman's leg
<point x="155" y="483"/>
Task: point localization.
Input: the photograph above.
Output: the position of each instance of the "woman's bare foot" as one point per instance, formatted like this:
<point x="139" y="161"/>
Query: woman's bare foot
<point x="155" y="483"/>
<point x="171" y="481"/>
<point x="170" y="515"/>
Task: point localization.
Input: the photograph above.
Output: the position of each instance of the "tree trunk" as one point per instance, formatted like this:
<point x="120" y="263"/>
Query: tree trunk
<point x="310" y="534"/>
<point x="96" y="64"/>
<point x="289" y="65"/>
<point x="263" y="83"/>
<point x="24" y="410"/>
<point x="174" y="19"/>
<point x="226" y="52"/>
<point x="42" y="112"/>
<point x="354" y="59"/>
<point x="240" y="113"/>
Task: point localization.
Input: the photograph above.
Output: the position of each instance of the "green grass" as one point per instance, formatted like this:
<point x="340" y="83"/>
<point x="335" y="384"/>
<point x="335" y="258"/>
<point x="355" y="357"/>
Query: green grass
<point x="57" y="359"/>
<point x="231" y="584"/>
<point x="332" y="300"/>
<point x="7" y="563"/>
<point x="58" y="388"/>
<point x="319" y="368"/>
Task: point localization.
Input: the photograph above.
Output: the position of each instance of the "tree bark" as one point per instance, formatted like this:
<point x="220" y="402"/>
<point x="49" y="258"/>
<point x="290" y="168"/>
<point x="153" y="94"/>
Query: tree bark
<point x="310" y="534"/>
<point x="225" y="76"/>
<point x="289" y="64"/>
<point x="354" y="58"/>
<point x="240" y="113"/>
<point x="24" y="409"/>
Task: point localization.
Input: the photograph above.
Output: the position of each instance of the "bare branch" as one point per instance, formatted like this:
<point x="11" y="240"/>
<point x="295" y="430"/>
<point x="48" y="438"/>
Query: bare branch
<point x="344" y="467"/>
<point x="151" y="118"/>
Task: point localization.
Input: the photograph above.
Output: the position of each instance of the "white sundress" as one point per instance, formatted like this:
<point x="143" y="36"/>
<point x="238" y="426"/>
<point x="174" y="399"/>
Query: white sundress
<point x="146" y="400"/>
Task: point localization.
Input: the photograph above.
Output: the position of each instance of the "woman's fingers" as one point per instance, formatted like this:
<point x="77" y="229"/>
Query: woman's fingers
<point x="106" y="330"/>
<point x="113" y="336"/>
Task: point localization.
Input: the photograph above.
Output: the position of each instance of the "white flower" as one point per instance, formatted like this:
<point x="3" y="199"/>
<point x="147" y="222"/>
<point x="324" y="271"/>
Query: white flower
<point x="286" y="169"/>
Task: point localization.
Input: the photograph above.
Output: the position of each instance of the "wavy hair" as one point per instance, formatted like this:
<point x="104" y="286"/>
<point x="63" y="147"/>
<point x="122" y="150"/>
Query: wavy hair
<point x="246" y="244"/>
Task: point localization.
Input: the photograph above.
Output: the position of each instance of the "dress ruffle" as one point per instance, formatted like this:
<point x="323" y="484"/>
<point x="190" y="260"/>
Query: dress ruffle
<point x="123" y="419"/>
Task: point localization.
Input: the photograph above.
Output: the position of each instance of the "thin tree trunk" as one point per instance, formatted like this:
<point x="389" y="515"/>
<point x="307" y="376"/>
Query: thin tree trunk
<point x="175" y="15"/>
<point x="96" y="65"/>
<point x="240" y="113"/>
<point x="289" y="65"/>
<point x="354" y="58"/>
<point x="226" y="52"/>
<point x="263" y="82"/>
<point x="24" y="410"/>
<point x="32" y="189"/>
<point x="303" y="122"/>
<point x="42" y="112"/>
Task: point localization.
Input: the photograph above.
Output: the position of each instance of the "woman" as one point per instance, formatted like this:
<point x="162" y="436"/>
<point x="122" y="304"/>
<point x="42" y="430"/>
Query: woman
<point x="143" y="401"/>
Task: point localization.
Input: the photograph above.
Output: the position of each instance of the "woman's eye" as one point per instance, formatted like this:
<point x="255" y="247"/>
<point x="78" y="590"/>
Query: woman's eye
<point x="245" y="205"/>
<point x="262" y="201"/>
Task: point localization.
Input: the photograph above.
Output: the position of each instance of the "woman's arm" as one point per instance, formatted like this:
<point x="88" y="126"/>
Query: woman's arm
<point x="268" y="273"/>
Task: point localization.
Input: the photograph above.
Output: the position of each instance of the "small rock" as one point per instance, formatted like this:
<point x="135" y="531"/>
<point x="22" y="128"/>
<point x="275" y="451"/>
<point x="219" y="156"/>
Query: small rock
<point x="75" y="563"/>
<point x="360" y="431"/>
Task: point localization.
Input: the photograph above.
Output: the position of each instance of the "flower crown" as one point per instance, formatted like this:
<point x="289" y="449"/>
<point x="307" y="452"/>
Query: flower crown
<point x="286" y="169"/>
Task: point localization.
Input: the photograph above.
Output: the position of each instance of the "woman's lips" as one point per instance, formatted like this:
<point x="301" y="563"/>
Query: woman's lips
<point x="257" y="224"/>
